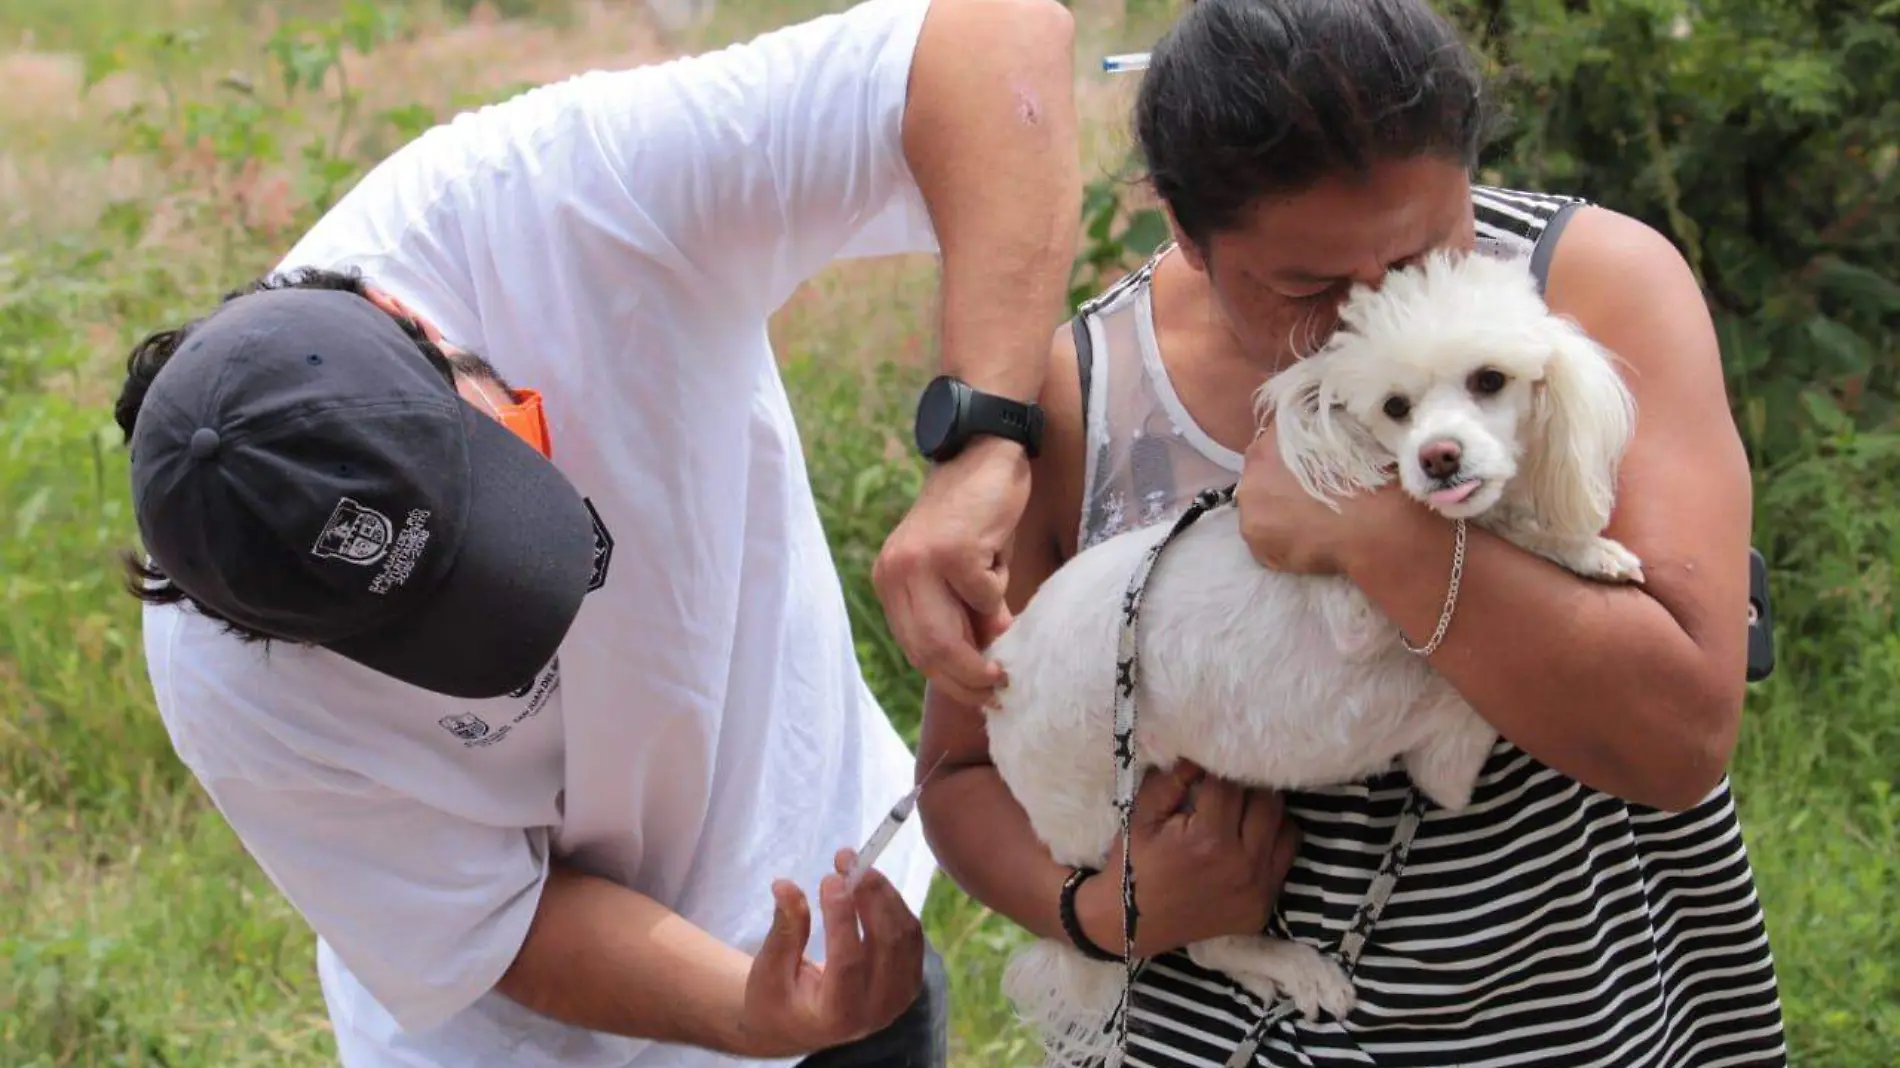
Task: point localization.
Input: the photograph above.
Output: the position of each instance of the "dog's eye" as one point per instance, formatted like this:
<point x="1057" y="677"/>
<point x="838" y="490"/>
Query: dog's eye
<point x="1487" y="381"/>
<point x="1397" y="407"/>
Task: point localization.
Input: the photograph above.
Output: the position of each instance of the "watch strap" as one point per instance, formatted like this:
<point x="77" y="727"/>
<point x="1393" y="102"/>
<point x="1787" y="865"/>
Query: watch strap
<point x="1005" y="418"/>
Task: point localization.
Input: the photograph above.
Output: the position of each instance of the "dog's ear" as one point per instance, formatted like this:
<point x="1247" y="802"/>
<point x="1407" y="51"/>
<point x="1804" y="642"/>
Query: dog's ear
<point x="1328" y="451"/>
<point x="1582" y="419"/>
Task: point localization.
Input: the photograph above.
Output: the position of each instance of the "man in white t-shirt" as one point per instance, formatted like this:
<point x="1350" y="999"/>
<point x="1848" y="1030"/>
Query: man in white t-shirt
<point x="526" y="676"/>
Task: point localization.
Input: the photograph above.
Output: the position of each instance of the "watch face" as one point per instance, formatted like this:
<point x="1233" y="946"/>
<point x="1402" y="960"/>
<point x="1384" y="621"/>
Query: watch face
<point x="936" y="415"/>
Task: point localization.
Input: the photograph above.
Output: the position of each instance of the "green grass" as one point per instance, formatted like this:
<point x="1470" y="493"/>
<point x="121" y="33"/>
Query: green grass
<point x="135" y="932"/>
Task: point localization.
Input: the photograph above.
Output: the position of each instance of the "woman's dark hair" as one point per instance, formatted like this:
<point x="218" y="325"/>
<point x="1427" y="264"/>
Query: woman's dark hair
<point x="1245" y="99"/>
<point x="148" y="358"/>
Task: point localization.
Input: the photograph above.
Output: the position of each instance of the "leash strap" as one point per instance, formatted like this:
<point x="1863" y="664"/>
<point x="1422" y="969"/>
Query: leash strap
<point x="1127" y="678"/>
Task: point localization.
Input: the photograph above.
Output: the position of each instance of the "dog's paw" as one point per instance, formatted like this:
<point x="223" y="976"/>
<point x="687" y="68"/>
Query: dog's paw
<point x="1272" y="968"/>
<point x="1320" y="987"/>
<point x="1607" y="560"/>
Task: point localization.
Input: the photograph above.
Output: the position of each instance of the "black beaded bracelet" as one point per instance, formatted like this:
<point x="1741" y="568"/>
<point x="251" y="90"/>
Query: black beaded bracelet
<point x="1072" y="926"/>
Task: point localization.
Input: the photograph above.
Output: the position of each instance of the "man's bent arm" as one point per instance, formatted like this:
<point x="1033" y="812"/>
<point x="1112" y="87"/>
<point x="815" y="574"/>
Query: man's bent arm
<point x="990" y="139"/>
<point x="430" y="911"/>
<point x="610" y="959"/>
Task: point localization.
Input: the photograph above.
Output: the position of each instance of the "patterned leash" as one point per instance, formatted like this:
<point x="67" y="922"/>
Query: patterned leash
<point x="1127" y="679"/>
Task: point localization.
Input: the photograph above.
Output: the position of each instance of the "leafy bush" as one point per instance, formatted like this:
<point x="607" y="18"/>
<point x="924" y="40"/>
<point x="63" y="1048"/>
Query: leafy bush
<point x="864" y="473"/>
<point x="1763" y="137"/>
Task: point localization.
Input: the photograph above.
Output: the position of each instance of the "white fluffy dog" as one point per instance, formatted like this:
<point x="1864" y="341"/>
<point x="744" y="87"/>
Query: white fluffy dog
<point x="1492" y="409"/>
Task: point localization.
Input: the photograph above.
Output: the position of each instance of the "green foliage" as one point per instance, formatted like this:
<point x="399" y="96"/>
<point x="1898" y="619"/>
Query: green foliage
<point x="1760" y="135"/>
<point x="38" y="295"/>
<point x="504" y="8"/>
<point x="214" y="150"/>
<point x="865" y="476"/>
<point x="1816" y="778"/>
<point x="1113" y="238"/>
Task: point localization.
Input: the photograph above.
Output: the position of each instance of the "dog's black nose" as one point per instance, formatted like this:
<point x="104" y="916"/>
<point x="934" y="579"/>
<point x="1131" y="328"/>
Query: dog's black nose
<point x="1440" y="458"/>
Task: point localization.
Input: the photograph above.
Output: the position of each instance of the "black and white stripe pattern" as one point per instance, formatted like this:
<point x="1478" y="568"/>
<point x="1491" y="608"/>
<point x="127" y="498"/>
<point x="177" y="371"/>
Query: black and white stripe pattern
<point x="1547" y="924"/>
<point x="1521" y="224"/>
<point x="1520" y="216"/>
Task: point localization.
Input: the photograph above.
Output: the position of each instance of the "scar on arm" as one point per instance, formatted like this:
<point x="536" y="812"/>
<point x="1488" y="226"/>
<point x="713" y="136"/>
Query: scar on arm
<point x="1028" y="109"/>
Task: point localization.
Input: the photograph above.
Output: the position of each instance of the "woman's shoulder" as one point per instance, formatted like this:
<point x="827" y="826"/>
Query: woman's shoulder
<point x="1609" y="262"/>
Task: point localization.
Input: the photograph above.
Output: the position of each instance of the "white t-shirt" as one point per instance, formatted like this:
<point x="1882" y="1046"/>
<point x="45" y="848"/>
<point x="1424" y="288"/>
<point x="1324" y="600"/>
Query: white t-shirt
<point x="617" y="241"/>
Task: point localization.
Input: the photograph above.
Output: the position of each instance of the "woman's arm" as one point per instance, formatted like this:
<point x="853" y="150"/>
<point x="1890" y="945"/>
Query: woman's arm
<point x="1636" y="691"/>
<point x="979" y="832"/>
<point x="1210" y="869"/>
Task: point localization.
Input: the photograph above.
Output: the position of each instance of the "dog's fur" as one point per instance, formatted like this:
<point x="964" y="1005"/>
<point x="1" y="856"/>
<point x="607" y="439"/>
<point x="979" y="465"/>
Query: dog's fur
<point x="1294" y="681"/>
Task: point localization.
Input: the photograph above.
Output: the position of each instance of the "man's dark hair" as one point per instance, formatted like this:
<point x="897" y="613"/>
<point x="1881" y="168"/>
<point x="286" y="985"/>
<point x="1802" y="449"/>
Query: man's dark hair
<point x="1245" y="99"/>
<point x="144" y="579"/>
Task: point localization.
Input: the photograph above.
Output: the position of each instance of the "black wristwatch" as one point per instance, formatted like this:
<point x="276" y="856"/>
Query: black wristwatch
<point x="951" y="412"/>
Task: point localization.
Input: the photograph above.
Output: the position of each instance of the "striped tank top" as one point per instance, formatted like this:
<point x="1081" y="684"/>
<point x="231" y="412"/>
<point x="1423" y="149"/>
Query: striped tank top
<point x="1547" y="924"/>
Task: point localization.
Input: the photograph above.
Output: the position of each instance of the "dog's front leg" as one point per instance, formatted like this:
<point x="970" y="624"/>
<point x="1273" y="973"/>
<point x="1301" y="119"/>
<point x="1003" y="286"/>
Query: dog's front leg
<point x="1457" y="742"/>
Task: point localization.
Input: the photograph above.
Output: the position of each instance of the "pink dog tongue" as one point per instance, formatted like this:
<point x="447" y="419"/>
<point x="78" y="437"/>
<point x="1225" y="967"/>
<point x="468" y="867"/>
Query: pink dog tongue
<point x="1455" y="494"/>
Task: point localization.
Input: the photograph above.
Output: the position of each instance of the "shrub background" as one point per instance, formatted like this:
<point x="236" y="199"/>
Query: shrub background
<point x="144" y="172"/>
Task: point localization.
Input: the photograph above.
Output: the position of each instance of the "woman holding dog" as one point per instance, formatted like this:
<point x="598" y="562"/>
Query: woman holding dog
<point x="1594" y="905"/>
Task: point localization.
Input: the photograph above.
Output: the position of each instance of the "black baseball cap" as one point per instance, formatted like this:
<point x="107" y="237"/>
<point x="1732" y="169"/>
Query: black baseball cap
<point x="302" y="468"/>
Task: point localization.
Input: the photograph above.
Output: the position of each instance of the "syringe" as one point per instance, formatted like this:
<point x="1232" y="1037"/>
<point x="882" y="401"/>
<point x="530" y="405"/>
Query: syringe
<point x="887" y="830"/>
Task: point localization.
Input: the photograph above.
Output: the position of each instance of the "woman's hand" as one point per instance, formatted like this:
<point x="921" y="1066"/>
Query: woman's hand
<point x="1209" y="860"/>
<point x="1286" y="529"/>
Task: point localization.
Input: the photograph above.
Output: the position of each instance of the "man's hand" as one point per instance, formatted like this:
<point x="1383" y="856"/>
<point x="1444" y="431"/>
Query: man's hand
<point x="943" y="572"/>
<point x="793" y="1006"/>
<point x="1287" y="530"/>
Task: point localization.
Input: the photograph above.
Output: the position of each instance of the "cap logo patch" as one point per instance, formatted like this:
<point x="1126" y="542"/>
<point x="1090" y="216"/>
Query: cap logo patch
<point x="355" y="534"/>
<point x="364" y="536"/>
<point x="405" y="553"/>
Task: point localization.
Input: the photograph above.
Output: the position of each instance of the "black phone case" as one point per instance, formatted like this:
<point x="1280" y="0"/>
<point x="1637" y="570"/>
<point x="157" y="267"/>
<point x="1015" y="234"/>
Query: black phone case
<point x="1761" y="627"/>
